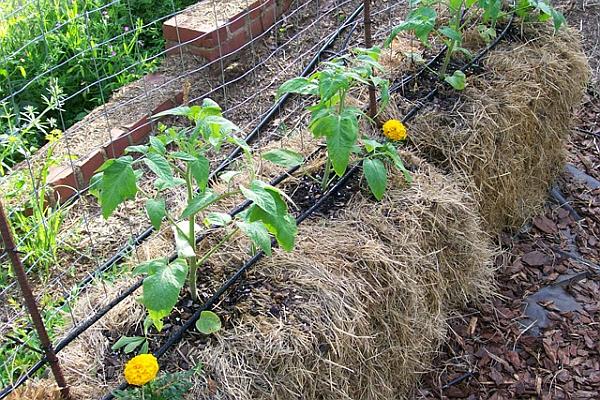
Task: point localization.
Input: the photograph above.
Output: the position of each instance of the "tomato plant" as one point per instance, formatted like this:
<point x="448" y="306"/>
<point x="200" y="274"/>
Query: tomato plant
<point x="188" y="166"/>
<point x="336" y="120"/>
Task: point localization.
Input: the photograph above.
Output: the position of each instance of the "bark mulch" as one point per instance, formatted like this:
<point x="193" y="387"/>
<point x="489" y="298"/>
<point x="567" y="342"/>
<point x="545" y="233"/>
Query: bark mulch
<point x="540" y="337"/>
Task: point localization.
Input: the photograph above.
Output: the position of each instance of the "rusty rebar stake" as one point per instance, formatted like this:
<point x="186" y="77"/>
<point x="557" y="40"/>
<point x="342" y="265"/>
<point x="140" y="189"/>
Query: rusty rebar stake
<point x="34" y="312"/>
<point x="368" y="44"/>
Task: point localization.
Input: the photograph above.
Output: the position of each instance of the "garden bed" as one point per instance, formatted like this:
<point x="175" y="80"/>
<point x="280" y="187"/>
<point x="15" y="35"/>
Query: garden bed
<point x="359" y="308"/>
<point x="87" y="240"/>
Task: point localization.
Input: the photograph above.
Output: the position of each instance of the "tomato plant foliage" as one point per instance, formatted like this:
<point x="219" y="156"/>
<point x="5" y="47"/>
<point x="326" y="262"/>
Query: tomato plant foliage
<point x="179" y="158"/>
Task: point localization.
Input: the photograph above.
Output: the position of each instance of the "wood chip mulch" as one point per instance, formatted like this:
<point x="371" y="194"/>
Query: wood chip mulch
<point x="540" y="337"/>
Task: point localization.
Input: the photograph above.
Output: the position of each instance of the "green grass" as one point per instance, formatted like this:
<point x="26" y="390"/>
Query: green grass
<point x="18" y="359"/>
<point x="54" y="37"/>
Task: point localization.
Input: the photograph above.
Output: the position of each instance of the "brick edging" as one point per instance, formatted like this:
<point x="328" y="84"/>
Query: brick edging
<point x="66" y="180"/>
<point x="238" y="31"/>
<point x="228" y="38"/>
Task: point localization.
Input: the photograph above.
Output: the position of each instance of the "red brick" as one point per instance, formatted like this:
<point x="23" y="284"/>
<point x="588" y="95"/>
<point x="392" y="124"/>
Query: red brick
<point x="256" y="8"/>
<point x="180" y="34"/>
<point x="164" y="106"/>
<point x="209" y="54"/>
<point x="256" y="27"/>
<point x="214" y="38"/>
<point x="87" y="167"/>
<point x="237" y="41"/>
<point x="117" y="145"/>
<point x="139" y="130"/>
<point x="63" y="181"/>
<point x="238" y="21"/>
<point x="179" y="98"/>
<point x="268" y="17"/>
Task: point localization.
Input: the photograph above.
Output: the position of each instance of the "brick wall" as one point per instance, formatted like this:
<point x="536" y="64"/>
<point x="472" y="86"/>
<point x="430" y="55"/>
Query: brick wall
<point x="228" y="38"/>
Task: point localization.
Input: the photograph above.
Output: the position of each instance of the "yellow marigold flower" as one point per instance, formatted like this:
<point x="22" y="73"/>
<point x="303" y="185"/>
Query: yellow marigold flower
<point x="394" y="129"/>
<point x="141" y="369"/>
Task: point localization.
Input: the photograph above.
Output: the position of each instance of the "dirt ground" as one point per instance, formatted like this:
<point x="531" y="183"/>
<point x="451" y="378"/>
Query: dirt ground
<point x="540" y="339"/>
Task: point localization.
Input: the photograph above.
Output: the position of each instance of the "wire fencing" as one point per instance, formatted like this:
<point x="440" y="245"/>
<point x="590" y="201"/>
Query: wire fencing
<point x="87" y="250"/>
<point x="76" y="78"/>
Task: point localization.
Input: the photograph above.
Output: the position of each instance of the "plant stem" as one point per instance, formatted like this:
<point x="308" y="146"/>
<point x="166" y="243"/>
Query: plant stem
<point x="216" y="247"/>
<point x="195" y="264"/>
<point x="444" y="67"/>
<point x="456" y="26"/>
<point x="326" y="174"/>
<point x="191" y="237"/>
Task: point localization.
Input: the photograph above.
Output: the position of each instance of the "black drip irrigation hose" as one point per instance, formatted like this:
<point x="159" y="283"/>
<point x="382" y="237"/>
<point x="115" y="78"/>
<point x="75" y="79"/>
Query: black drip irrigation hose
<point x="234" y="154"/>
<point x="303" y="216"/>
<point x="336" y="188"/>
<point x="139" y="239"/>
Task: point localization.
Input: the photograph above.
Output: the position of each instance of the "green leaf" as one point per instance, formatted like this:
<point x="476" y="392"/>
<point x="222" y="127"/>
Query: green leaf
<point x="341" y="132"/>
<point x="133" y="345"/>
<point x="371" y="145"/>
<point x="200" y="169"/>
<point x="298" y="85"/>
<point x="127" y="340"/>
<point x="456" y="80"/>
<point x="217" y="219"/>
<point x="260" y="196"/>
<point x="221" y="124"/>
<point x="558" y="19"/>
<point x="208" y="323"/>
<point x="284" y="157"/>
<point x="161" y="167"/>
<point x="228" y="176"/>
<point x="283" y="228"/>
<point x="486" y="33"/>
<point x="148" y="266"/>
<point x="384" y="87"/>
<point x="157" y="145"/>
<point x="391" y="151"/>
<point x="281" y="224"/>
<point x="492" y="9"/>
<point x="455" y="5"/>
<point x="143" y="149"/>
<point x="145" y="348"/>
<point x="162" y="286"/>
<point x="330" y="84"/>
<point x="451" y="34"/>
<point x="117" y="185"/>
<point x="376" y="175"/>
<point x="420" y="20"/>
<point x="199" y="203"/>
<point x="258" y="234"/>
<point x="182" y="155"/>
<point x="156" y="210"/>
<point x="183" y="110"/>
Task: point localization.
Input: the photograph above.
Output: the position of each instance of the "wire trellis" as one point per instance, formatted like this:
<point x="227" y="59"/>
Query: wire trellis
<point x="97" y="256"/>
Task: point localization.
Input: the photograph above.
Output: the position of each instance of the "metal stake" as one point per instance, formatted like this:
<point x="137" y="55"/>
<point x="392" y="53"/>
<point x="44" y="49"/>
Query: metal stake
<point x="368" y="44"/>
<point x="38" y="322"/>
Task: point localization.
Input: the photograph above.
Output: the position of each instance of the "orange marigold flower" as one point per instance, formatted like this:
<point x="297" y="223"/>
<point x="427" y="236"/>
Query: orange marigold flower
<point x="141" y="369"/>
<point x="394" y="130"/>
